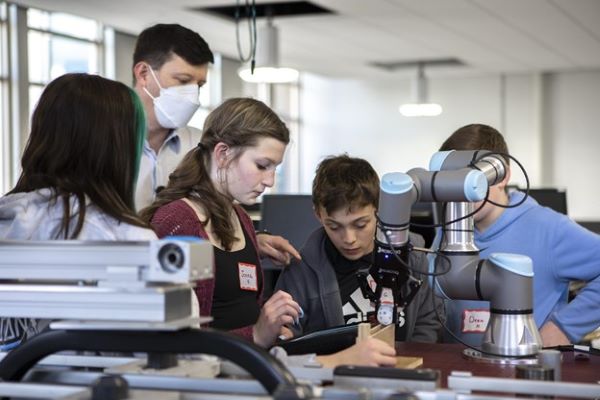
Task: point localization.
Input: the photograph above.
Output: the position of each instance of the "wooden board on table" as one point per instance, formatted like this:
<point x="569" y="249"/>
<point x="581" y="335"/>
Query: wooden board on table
<point x="408" y="362"/>
<point x="386" y="334"/>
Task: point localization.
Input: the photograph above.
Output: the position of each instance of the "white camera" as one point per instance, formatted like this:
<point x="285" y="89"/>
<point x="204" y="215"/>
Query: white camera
<point x="179" y="260"/>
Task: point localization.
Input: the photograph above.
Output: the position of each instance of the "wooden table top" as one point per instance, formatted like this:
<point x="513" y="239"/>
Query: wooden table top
<point x="447" y="357"/>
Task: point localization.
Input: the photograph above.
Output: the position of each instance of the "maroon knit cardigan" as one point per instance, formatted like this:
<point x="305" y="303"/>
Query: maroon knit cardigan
<point x="179" y="219"/>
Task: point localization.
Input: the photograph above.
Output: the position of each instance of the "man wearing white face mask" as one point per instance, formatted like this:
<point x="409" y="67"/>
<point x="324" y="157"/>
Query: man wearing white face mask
<point x="170" y="64"/>
<point x="175" y="105"/>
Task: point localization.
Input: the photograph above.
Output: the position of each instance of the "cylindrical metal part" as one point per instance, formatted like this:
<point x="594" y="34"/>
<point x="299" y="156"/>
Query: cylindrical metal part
<point x="397" y="194"/>
<point x="506" y="280"/>
<point x="511" y="335"/>
<point x="465" y="184"/>
<point x="551" y="359"/>
<point x="459" y="236"/>
<point x="392" y="237"/>
<point x="110" y="387"/>
<point x="535" y="372"/>
<point x="455" y="159"/>
<point x="459" y="281"/>
<point x="494" y="168"/>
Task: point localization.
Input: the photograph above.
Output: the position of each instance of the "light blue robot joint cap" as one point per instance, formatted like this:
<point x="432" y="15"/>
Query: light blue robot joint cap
<point x="475" y="186"/>
<point x="517" y="263"/>
<point x="437" y="160"/>
<point x="396" y="183"/>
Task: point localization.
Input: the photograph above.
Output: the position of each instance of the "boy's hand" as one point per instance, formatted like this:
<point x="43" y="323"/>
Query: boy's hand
<point x="276" y="248"/>
<point x="370" y="352"/>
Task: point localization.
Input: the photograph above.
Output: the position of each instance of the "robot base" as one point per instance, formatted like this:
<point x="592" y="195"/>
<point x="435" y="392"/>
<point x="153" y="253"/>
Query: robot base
<point x="478" y="356"/>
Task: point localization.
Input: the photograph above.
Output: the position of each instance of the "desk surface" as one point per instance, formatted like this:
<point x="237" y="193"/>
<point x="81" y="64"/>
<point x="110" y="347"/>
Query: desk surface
<point x="449" y="357"/>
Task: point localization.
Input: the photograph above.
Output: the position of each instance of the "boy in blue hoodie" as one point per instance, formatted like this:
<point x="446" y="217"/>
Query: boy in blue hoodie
<point x="562" y="251"/>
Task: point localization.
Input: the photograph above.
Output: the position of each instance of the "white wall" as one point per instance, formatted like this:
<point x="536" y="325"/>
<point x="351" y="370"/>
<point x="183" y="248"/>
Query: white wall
<point x="124" y="47"/>
<point x="548" y="120"/>
<point x="573" y="121"/>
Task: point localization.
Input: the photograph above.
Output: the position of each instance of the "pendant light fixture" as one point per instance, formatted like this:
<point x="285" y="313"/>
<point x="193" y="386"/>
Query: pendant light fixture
<point x="422" y="107"/>
<point x="267" y="68"/>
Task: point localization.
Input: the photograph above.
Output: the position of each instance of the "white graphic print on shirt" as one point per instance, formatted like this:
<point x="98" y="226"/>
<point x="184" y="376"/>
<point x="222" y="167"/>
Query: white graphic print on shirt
<point x="358" y="309"/>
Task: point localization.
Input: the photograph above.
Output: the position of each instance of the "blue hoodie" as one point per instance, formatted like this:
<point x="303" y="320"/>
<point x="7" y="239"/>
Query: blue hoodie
<point x="561" y="250"/>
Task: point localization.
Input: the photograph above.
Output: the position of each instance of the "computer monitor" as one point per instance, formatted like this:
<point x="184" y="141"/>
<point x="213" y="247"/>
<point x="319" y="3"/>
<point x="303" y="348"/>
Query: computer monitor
<point x="422" y="219"/>
<point x="549" y="197"/>
<point x="288" y="215"/>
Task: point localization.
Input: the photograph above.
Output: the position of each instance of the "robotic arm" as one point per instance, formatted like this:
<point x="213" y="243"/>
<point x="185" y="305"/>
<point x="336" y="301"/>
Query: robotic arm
<point x="458" y="178"/>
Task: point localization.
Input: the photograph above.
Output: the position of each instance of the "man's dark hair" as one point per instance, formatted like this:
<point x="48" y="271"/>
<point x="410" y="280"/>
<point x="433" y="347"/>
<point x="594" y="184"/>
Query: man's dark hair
<point x="476" y="137"/>
<point x="157" y="44"/>
<point x="345" y="182"/>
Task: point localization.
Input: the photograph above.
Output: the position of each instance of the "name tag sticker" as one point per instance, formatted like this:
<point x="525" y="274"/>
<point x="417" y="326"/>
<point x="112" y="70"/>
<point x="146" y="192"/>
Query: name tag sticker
<point x="248" y="278"/>
<point x="475" y="321"/>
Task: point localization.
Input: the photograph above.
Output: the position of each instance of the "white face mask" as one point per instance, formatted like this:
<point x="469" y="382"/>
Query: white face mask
<point x="175" y="105"/>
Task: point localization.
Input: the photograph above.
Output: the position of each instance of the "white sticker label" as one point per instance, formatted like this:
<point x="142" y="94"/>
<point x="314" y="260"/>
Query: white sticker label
<point x="248" y="278"/>
<point x="386" y="297"/>
<point x="475" y="321"/>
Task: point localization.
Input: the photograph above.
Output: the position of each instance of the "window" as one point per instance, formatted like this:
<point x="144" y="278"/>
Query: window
<point x="5" y="158"/>
<point x="286" y="103"/>
<point x="60" y="43"/>
<point x="42" y="45"/>
<point x="210" y="94"/>
<point x="284" y="99"/>
<point x="199" y="116"/>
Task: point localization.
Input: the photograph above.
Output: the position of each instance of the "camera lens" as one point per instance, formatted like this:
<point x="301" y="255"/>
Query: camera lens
<point x="171" y="258"/>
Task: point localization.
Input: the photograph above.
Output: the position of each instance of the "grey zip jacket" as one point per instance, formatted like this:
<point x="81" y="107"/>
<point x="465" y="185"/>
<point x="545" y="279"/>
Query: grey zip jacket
<point x="313" y="284"/>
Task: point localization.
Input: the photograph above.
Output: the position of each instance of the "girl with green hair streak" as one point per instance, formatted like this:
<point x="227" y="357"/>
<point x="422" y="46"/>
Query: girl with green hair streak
<point x="80" y="165"/>
<point x="78" y="173"/>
